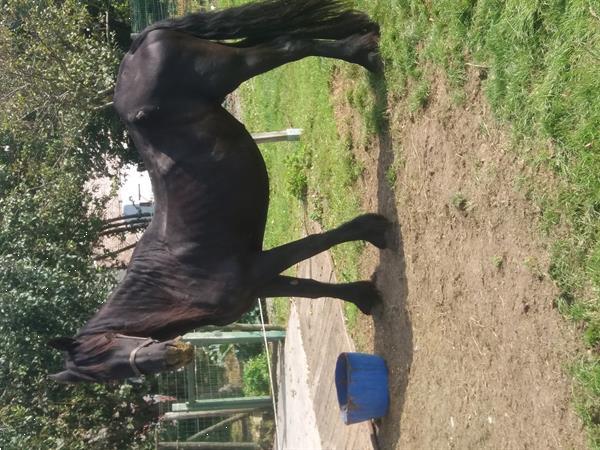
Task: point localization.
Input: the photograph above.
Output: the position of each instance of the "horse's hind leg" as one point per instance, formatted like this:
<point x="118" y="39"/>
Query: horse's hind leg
<point x="238" y="64"/>
<point x="362" y="49"/>
<point x="363" y="294"/>
<point x="368" y="227"/>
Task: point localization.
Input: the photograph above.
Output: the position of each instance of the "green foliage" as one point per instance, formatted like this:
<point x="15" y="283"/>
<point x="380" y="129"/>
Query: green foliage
<point x="116" y="14"/>
<point x="459" y="201"/>
<point x="298" y="164"/>
<point x="47" y="292"/>
<point x="50" y="220"/>
<point x="256" y="376"/>
<point x="587" y="376"/>
<point x="56" y="69"/>
<point x="56" y="76"/>
<point x="48" y="287"/>
<point x="89" y="417"/>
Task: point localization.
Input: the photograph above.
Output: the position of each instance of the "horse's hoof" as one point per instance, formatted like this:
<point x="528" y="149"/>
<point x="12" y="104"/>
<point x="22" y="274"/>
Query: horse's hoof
<point x="365" y="51"/>
<point x="366" y="296"/>
<point x="374" y="228"/>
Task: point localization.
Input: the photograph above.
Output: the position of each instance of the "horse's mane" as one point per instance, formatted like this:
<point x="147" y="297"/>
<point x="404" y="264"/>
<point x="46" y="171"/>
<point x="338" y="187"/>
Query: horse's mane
<point x="150" y="302"/>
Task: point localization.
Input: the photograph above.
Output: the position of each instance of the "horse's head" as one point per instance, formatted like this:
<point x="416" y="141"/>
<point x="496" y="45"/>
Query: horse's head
<point x="108" y="356"/>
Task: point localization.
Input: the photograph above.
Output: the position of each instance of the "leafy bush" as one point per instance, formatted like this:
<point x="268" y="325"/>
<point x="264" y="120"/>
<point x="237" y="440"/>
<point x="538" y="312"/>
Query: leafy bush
<point x="56" y="70"/>
<point x="256" y="376"/>
<point x="297" y="164"/>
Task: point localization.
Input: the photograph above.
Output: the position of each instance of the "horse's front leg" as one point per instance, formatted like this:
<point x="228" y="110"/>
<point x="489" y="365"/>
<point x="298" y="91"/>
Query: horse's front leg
<point x="270" y="263"/>
<point x="363" y="294"/>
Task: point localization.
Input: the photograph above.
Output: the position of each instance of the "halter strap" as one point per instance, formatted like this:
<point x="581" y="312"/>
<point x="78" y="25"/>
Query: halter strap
<point x="145" y="343"/>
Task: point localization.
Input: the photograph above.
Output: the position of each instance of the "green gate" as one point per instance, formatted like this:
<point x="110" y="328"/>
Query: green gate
<point x="206" y="404"/>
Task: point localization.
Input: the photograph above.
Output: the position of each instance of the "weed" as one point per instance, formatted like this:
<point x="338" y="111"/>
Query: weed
<point x="586" y="373"/>
<point x="498" y="261"/>
<point x="297" y="164"/>
<point x="419" y="96"/>
<point x="458" y="97"/>
<point x="459" y="201"/>
<point x="315" y="208"/>
<point x="534" y="266"/>
<point x="391" y="175"/>
<point x="351" y="313"/>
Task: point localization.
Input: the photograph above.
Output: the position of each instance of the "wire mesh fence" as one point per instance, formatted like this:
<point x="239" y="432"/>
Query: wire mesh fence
<point x="220" y="377"/>
<point x="146" y="12"/>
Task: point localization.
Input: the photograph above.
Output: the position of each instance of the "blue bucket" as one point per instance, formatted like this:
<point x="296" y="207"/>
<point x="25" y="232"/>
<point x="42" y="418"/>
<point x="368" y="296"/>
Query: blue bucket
<point x="361" y="381"/>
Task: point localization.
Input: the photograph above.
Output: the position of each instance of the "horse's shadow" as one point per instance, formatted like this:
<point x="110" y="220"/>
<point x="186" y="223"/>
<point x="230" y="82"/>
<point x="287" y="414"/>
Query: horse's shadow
<point x="392" y="324"/>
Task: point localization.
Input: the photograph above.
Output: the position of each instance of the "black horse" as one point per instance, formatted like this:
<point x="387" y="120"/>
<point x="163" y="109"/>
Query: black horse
<point x="201" y="261"/>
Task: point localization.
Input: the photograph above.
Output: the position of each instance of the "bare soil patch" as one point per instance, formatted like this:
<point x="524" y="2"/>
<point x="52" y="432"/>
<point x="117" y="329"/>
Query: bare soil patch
<point x="476" y="350"/>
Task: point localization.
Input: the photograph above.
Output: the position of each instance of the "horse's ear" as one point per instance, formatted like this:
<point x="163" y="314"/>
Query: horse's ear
<point x="65" y="344"/>
<point x="68" y="377"/>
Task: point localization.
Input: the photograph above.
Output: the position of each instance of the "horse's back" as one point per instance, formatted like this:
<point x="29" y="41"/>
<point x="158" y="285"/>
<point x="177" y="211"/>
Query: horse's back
<point x="209" y="179"/>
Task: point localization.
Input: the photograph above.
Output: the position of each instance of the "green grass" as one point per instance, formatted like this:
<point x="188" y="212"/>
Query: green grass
<point x="541" y="61"/>
<point x="498" y="261"/>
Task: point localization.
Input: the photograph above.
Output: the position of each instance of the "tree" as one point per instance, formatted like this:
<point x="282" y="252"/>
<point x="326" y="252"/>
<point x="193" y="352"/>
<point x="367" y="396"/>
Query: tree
<point x="57" y="131"/>
<point x="56" y="79"/>
<point x="48" y="287"/>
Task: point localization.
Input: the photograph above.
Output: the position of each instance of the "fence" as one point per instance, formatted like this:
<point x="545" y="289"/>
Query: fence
<point x="222" y="398"/>
<point x="145" y="12"/>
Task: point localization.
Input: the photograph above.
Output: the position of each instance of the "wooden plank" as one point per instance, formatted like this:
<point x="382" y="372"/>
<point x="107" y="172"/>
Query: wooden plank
<point x="232" y="337"/>
<point x="186" y="415"/>
<point x="217" y="425"/>
<point x="291" y="134"/>
<point x="243" y="327"/>
<point x="208" y="445"/>
<point x="216" y="404"/>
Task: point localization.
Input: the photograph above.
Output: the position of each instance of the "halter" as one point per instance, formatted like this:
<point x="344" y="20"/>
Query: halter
<point x="145" y="343"/>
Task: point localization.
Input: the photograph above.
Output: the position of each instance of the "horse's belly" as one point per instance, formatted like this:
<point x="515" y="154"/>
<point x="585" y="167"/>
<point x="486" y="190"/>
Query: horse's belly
<point x="217" y="206"/>
<point x="209" y="179"/>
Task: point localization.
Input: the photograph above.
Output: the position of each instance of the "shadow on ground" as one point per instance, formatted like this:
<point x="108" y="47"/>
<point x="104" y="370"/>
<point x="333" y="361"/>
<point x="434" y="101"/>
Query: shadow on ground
<point x="392" y="324"/>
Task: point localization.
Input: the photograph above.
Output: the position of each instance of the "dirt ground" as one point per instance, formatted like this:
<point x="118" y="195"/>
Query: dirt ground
<point x="477" y="352"/>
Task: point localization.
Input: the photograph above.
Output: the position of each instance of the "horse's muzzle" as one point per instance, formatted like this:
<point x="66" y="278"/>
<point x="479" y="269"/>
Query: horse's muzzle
<point x="178" y="354"/>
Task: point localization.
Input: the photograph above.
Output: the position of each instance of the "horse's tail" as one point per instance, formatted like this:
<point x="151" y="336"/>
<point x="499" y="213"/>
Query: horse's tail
<point x="268" y="19"/>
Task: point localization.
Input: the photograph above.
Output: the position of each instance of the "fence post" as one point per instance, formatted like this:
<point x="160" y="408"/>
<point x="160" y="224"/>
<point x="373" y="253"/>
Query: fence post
<point x="232" y="337"/>
<point x="224" y="404"/>
<point x="208" y="445"/>
<point x="291" y="134"/>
